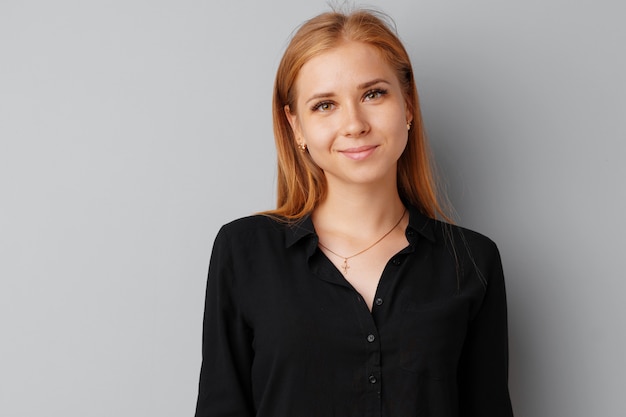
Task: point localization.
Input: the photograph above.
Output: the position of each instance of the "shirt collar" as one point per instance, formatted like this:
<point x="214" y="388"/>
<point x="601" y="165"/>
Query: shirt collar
<point x="298" y="230"/>
<point x="304" y="227"/>
<point x="422" y="224"/>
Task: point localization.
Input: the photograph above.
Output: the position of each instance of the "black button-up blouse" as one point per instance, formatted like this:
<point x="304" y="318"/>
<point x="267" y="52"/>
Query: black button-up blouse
<point x="285" y="335"/>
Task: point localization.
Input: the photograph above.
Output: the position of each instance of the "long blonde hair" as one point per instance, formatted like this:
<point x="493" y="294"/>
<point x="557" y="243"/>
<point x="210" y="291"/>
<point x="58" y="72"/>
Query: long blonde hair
<point x="301" y="183"/>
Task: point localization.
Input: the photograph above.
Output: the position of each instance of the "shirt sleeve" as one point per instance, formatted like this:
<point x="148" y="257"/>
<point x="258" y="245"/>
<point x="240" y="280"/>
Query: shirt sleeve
<point x="483" y="366"/>
<point x="225" y="375"/>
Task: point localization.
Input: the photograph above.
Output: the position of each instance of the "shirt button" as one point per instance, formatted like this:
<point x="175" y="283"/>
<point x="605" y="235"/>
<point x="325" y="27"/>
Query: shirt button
<point x="410" y="233"/>
<point x="396" y="261"/>
<point x="372" y="379"/>
<point x="378" y="301"/>
<point x="371" y="338"/>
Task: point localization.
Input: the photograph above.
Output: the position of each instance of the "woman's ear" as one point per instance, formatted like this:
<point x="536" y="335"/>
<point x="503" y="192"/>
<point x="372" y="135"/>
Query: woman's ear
<point x="295" y="127"/>
<point x="293" y="121"/>
<point x="409" y="114"/>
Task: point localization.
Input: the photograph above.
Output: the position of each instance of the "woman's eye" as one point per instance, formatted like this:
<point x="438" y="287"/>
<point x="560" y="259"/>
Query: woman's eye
<point x="374" y="94"/>
<point x="323" y="106"/>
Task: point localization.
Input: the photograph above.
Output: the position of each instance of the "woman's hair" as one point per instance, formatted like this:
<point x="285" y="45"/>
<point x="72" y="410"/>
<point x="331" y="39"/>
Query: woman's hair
<point x="301" y="183"/>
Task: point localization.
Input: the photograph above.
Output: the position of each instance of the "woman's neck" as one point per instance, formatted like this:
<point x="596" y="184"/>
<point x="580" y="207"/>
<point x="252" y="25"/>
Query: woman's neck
<point x="358" y="212"/>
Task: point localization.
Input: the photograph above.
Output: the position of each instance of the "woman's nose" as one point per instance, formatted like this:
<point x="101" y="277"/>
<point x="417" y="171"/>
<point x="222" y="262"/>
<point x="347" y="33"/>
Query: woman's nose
<point x="355" y="122"/>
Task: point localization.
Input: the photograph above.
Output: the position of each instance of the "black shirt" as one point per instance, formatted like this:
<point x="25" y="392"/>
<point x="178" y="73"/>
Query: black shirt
<point x="285" y="335"/>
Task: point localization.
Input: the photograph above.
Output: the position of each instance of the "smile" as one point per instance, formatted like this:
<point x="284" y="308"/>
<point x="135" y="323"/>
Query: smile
<point x="359" y="153"/>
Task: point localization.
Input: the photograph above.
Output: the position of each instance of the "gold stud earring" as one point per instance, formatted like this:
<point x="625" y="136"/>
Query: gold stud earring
<point x="302" y="147"/>
<point x="408" y="125"/>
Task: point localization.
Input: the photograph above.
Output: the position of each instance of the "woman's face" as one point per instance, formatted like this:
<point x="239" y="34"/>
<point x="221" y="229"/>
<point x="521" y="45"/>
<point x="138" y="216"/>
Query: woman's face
<point x="352" y="115"/>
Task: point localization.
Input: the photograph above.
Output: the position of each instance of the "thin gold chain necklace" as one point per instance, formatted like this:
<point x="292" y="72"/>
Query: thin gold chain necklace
<point x="345" y="265"/>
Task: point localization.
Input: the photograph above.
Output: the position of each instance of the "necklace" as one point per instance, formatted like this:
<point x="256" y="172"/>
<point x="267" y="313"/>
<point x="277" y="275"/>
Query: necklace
<point x="345" y="265"/>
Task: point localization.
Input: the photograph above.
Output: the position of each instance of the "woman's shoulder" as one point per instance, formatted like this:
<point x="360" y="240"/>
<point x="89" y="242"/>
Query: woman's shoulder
<point x="473" y="253"/>
<point x="463" y="240"/>
<point x="252" y="223"/>
<point x="445" y="233"/>
<point x="471" y="236"/>
<point x="253" y="228"/>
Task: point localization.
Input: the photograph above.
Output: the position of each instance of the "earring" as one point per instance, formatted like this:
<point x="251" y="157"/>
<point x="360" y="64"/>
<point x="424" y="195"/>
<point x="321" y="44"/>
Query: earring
<point x="408" y="125"/>
<point x="302" y="147"/>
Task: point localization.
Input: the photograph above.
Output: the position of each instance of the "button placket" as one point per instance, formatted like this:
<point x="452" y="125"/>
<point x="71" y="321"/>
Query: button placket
<point x="372" y="346"/>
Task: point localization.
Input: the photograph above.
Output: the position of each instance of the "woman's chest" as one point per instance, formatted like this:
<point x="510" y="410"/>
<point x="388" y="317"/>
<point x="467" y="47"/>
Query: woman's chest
<point x="313" y="316"/>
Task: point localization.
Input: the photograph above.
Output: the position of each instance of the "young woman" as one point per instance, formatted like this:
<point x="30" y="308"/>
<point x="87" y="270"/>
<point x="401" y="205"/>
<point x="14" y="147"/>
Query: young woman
<point x="351" y="298"/>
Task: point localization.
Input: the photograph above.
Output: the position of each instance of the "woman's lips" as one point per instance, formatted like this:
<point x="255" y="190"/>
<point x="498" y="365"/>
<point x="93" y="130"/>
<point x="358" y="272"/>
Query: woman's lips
<point x="359" y="153"/>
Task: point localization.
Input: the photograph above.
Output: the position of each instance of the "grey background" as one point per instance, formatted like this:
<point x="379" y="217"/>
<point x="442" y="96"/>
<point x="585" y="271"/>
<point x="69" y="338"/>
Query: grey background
<point x="131" y="130"/>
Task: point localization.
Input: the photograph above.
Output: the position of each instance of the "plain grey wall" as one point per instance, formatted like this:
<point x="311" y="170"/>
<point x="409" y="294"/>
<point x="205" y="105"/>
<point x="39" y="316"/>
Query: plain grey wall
<point x="131" y="130"/>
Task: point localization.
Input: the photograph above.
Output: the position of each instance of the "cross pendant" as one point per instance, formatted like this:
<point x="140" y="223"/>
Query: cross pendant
<point x="345" y="266"/>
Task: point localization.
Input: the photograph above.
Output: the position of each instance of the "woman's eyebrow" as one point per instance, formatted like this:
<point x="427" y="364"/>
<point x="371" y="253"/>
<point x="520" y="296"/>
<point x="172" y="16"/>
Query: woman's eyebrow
<point x="318" y="96"/>
<point x="359" y="87"/>
<point x="373" y="82"/>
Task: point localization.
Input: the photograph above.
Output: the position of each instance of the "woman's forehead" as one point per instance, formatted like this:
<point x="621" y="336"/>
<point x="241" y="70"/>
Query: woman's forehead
<point x="349" y="65"/>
